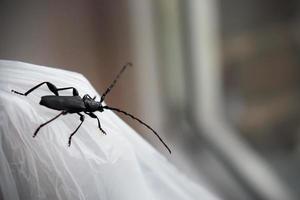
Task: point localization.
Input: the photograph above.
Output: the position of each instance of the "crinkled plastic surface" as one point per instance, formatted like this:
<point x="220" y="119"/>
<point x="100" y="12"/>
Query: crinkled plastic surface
<point x="117" y="166"/>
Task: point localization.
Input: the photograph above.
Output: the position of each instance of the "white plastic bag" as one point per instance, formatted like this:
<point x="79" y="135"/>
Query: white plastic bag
<point x="117" y="166"/>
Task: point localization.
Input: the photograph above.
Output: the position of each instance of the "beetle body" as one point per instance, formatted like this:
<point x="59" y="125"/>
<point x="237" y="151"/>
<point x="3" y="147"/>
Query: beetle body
<point x="70" y="104"/>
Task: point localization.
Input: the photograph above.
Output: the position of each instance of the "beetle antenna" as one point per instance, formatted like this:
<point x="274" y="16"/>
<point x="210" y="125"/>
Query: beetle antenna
<point x="133" y="117"/>
<point x="114" y="81"/>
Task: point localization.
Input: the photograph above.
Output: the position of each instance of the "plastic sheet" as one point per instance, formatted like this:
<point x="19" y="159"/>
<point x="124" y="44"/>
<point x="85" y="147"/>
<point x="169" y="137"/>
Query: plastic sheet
<point x="118" y="166"/>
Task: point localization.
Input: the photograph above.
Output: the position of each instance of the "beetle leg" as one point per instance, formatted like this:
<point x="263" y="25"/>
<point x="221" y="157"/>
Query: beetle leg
<point x="75" y="92"/>
<point x="89" y="97"/>
<point x="47" y="122"/>
<point x="51" y="87"/>
<point x="92" y="115"/>
<point x="81" y="119"/>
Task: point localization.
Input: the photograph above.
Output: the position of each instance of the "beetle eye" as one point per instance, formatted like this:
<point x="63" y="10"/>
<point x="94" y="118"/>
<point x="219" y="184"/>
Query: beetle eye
<point x="100" y="108"/>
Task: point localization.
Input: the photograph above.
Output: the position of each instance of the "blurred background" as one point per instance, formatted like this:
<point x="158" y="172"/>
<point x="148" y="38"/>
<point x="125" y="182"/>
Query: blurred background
<point x="219" y="80"/>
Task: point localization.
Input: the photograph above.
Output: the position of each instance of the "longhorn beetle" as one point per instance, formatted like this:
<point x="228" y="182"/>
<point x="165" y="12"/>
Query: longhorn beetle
<point x="76" y="104"/>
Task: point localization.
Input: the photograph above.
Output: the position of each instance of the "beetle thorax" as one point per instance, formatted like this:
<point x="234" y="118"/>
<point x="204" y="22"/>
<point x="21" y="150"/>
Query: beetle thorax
<point x="91" y="105"/>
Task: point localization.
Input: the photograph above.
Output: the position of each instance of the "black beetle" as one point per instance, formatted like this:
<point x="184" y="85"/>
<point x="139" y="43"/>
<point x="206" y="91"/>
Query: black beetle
<point x="76" y="104"/>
